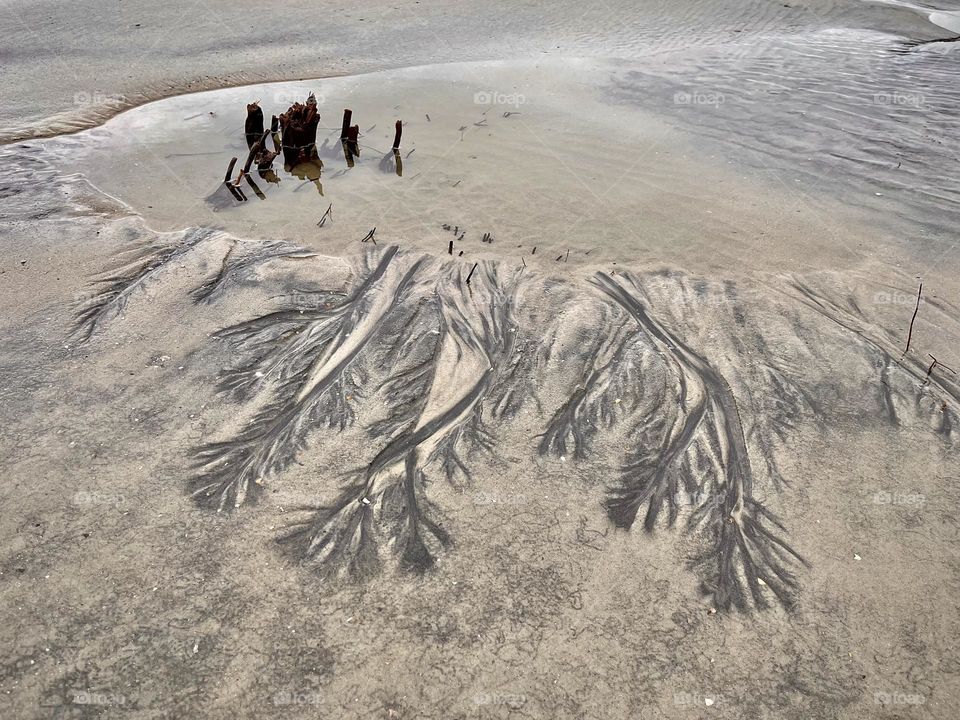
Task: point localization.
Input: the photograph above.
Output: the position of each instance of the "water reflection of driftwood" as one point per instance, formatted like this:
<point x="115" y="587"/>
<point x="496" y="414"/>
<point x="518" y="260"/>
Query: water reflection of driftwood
<point x="309" y="172"/>
<point x="392" y="162"/>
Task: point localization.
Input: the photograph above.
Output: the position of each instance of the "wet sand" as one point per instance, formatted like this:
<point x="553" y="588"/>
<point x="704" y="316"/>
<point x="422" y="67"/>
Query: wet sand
<point x="663" y="455"/>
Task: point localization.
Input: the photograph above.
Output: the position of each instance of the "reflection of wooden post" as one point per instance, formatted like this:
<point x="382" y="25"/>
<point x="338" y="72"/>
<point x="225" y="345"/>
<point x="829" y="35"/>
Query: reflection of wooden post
<point x="345" y="128"/>
<point x="353" y="137"/>
<point x="396" y="137"/>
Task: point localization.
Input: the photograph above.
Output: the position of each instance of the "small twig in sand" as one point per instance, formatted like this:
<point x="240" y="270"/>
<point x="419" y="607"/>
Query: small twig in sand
<point x="369" y="236"/>
<point x="237" y="195"/>
<point x="327" y="214"/>
<point x="471" y="272"/>
<point x="233" y="162"/>
<point x="935" y="364"/>
<point x="915" y="311"/>
<point x="450" y="248"/>
<point x="534" y="250"/>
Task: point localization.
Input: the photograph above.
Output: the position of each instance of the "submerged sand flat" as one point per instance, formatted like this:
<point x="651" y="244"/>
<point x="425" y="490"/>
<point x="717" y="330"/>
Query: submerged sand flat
<point x="664" y="455"/>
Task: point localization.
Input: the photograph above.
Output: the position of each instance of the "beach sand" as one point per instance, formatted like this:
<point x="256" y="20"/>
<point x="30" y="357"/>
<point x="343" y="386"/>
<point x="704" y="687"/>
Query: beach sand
<point x="612" y="416"/>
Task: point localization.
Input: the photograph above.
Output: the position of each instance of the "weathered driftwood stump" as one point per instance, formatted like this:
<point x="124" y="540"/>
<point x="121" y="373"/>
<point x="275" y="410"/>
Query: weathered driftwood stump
<point x="299" y="132"/>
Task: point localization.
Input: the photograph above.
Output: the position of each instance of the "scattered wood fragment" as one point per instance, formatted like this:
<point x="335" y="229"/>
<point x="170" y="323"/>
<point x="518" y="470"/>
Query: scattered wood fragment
<point x="233" y="162"/>
<point x="370" y="237"/>
<point x="237" y="194"/>
<point x="327" y="215"/>
<point x="913" y="319"/>
<point x="471" y="272"/>
<point x="450" y="248"/>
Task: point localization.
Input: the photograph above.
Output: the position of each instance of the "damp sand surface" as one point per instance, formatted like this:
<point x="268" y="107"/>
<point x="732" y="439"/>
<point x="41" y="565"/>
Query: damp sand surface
<point x="262" y="467"/>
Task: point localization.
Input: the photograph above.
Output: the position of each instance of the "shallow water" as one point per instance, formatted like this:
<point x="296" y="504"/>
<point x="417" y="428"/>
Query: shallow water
<point x="744" y="149"/>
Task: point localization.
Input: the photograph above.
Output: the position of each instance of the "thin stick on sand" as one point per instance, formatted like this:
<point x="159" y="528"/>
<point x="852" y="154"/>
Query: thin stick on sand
<point x="237" y="195"/>
<point x="471" y="272"/>
<point x="450" y="248"/>
<point x="327" y="214"/>
<point x="912" y="320"/>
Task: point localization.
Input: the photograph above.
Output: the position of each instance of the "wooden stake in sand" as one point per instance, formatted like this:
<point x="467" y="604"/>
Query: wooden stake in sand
<point x="915" y="311"/>
<point x="253" y="127"/>
<point x="396" y="137"/>
<point x="450" y="248"/>
<point x="345" y="128"/>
